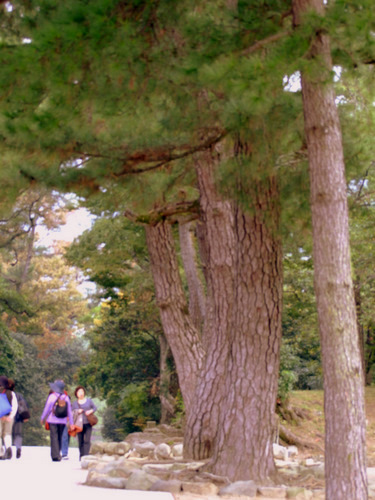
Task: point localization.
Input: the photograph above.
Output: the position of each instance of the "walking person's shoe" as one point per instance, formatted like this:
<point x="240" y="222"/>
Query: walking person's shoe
<point x="8" y="453"/>
<point x="18" y="453"/>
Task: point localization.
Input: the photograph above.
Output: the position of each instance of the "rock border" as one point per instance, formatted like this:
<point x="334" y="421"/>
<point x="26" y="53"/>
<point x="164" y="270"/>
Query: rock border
<point x="153" y="461"/>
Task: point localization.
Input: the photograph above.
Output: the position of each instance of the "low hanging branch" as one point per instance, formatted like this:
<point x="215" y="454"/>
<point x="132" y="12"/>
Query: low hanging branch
<point x="263" y="43"/>
<point x="158" y="157"/>
<point x="138" y="162"/>
<point x="171" y="212"/>
<point x="162" y="157"/>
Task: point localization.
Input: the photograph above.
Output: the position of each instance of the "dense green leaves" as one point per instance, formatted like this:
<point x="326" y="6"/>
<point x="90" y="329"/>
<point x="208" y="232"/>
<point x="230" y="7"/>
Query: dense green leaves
<point x="124" y="365"/>
<point x="10" y="351"/>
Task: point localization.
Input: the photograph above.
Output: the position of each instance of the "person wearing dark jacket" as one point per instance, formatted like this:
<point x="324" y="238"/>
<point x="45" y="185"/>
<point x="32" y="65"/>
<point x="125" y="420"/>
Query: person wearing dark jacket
<point x="6" y="422"/>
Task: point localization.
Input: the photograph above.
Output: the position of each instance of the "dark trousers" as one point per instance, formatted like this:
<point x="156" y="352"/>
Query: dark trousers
<point x="55" y="433"/>
<point x="17" y="434"/>
<point x="84" y="440"/>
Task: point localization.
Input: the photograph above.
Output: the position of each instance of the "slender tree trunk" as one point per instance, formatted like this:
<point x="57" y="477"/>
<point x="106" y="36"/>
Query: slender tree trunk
<point x="345" y="460"/>
<point x="196" y="292"/>
<point x="180" y="332"/>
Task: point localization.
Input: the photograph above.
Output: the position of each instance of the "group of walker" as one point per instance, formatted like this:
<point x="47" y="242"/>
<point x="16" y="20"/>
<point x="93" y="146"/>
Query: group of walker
<point x="59" y="414"/>
<point x="61" y="417"/>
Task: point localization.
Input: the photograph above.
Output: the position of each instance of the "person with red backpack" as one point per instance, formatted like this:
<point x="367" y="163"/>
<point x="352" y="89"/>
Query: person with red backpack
<point x="6" y="421"/>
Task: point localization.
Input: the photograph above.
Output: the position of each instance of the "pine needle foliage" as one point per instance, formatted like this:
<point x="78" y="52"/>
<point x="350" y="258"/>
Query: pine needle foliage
<point x="97" y="91"/>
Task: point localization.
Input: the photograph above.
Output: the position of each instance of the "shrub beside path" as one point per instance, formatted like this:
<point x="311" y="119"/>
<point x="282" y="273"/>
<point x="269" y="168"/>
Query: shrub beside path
<point x="34" y="475"/>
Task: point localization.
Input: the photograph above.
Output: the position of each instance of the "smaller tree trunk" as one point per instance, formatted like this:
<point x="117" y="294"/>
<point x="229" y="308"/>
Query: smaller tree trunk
<point x="180" y="332"/>
<point x="217" y="245"/>
<point x="166" y="399"/>
<point x="196" y="292"/>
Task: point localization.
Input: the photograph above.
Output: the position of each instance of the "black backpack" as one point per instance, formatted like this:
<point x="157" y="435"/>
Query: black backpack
<point x="23" y="409"/>
<point x="60" y="408"/>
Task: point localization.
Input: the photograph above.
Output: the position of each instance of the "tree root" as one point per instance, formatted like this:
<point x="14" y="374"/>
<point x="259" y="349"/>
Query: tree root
<point x="290" y="438"/>
<point x="291" y="414"/>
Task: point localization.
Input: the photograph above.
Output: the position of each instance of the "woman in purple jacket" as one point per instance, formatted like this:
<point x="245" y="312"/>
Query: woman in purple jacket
<point x="57" y="411"/>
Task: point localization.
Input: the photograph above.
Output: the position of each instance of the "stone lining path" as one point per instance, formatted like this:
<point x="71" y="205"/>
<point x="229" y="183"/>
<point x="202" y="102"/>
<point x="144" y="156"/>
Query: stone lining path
<point x="35" y="476"/>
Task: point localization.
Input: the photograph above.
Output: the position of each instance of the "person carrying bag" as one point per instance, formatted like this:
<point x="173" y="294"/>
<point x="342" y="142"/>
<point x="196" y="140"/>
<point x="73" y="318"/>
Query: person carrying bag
<point x="57" y="405"/>
<point x="77" y="423"/>
<point x="85" y="407"/>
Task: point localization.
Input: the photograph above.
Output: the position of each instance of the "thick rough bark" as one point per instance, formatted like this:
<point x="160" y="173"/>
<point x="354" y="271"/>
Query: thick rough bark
<point x="233" y="419"/>
<point x="196" y="291"/>
<point x="218" y="241"/>
<point x="243" y="448"/>
<point x="345" y="460"/>
<point x="181" y="334"/>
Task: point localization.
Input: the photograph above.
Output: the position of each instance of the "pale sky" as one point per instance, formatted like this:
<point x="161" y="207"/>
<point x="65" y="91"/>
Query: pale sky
<point x="77" y="221"/>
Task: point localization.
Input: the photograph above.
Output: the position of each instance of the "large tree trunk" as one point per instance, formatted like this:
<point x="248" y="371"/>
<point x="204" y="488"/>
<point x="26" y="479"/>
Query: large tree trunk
<point x="243" y="449"/>
<point x="345" y="460"/>
<point x="234" y="406"/>
<point x="181" y="334"/>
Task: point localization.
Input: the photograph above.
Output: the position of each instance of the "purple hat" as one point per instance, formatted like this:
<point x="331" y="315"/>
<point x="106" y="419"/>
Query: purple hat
<point x="57" y="386"/>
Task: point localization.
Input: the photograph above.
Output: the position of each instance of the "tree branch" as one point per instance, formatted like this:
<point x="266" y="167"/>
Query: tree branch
<point x="11" y="308"/>
<point x="169" y="211"/>
<point x="163" y="157"/>
<point x="160" y="157"/>
<point x="266" y="41"/>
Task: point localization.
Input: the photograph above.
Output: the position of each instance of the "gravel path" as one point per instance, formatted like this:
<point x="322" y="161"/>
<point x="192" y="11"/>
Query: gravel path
<point x="34" y="476"/>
